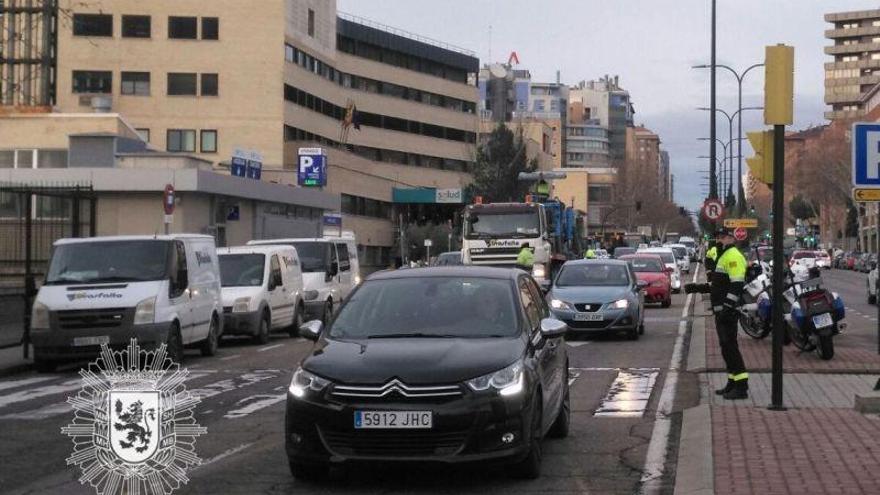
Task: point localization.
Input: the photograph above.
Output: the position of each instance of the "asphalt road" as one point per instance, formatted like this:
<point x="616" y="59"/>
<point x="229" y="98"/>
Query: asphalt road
<point x="861" y="317"/>
<point x="244" y="389"/>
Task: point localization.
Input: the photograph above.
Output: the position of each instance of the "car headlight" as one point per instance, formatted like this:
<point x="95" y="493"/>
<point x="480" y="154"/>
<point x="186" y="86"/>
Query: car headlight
<point x="241" y="305"/>
<point x="507" y="381"/>
<point x="620" y="304"/>
<point x="40" y="316"/>
<point x="357" y="279"/>
<point x="538" y="271"/>
<point x="145" y="311"/>
<point x="559" y="304"/>
<point x="304" y="381"/>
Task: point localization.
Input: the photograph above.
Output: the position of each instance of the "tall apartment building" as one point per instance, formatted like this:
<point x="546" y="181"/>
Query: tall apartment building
<point x="664" y="178"/>
<point x="604" y="102"/>
<point x="643" y="157"/>
<point x="206" y="78"/>
<point x="855" y="68"/>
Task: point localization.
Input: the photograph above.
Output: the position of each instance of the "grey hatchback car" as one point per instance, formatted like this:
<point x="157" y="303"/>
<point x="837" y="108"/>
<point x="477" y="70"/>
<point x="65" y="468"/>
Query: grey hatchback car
<point x="599" y="296"/>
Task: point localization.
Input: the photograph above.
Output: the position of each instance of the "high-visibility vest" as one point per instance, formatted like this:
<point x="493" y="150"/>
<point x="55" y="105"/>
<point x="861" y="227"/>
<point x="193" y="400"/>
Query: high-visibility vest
<point x="525" y="258"/>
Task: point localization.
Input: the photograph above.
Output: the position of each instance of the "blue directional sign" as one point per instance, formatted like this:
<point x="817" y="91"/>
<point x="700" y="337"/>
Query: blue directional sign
<point x="239" y="167"/>
<point x="866" y="155"/>
<point x="312" y="167"/>
<point x="246" y="163"/>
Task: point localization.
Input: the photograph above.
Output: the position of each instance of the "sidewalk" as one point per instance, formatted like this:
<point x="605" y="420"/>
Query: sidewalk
<point x="820" y="444"/>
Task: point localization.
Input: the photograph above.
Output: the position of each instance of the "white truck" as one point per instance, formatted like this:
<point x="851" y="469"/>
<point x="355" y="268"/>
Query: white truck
<point x="494" y="234"/>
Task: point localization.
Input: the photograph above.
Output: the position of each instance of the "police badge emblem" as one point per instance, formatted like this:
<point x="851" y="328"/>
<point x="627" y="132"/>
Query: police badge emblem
<point x="133" y="430"/>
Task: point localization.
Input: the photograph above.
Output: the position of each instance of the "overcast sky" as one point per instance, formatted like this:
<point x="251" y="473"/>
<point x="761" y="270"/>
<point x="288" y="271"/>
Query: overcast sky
<point x="650" y="44"/>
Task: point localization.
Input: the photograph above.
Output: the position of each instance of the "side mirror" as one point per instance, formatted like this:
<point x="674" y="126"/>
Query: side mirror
<point x="552" y="328"/>
<point x="334" y="269"/>
<point x="311" y="330"/>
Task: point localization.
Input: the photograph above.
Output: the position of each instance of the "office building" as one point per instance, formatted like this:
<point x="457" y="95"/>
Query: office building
<point x="854" y="68"/>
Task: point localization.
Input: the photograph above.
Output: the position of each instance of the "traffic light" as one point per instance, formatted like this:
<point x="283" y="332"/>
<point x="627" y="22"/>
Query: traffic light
<point x="543" y="188"/>
<point x="761" y="165"/>
<point x="779" y="85"/>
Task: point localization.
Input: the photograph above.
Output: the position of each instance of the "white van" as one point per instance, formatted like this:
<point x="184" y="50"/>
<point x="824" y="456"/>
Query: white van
<point x="330" y="271"/>
<point x="157" y="289"/>
<point x="262" y="290"/>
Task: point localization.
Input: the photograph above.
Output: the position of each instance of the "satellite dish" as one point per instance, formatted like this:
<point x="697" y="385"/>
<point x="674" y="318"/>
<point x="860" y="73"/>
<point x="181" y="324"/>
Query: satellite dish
<point x="498" y="70"/>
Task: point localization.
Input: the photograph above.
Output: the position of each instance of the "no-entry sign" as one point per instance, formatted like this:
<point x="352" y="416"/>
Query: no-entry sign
<point x="740" y="234"/>
<point x="168" y="199"/>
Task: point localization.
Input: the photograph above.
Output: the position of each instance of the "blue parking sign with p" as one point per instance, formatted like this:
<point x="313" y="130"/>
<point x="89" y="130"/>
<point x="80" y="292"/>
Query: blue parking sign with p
<point x="312" y="170"/>
<point x="866" y="155"/>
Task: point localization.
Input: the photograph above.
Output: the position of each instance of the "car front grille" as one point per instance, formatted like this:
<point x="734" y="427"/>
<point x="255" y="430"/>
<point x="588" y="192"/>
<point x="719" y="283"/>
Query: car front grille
<point x="588" y="307"/>
<point x="408" y="443"/>
<point x="91" y="318"/>
<point x="397" y="388"/>
<point x="587" y="325"/>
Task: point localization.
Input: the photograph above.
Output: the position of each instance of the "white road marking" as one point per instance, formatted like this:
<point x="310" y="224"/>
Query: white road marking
<point x="262" y="401"/>
<point x="37" y="392"/>
<point x="628" y="395"/>
<point x="232" y="356"/>
<point x="573" y="375"/>
<point x="261" y="349"/>
<point x="577" y="343"/>
<point x="655" y="461"/>
<point x="26" y="381"/>
<point x="222" y="455"/>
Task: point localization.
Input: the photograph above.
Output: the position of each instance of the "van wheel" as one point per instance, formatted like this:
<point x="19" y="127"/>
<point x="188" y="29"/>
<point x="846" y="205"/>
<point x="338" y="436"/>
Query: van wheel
<point x="328" y="312"/>
<point x="174" y="344"/>
<point x="209" y="345"/>
<point x="297" y="321"/>
<point x="262" y="336"/>
<point x="45" y="366"/>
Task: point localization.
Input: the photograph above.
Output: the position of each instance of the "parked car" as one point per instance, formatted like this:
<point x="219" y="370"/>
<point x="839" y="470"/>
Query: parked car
<point x="108" y="290"/>
<point x="448" y="258"/>
<point x="801" y="254"/>
<point x="262" y="289"/>
<point x="823" y="259"/>
<point x="599" y="296"/>
<point x="670" y="261"/>
<point x="623" y="251"/>
<point x="862" y="263"/>
<point x="851" y="260"/>
<point x="602" y="254"/>
<point x="691" y="245"/>
<point x="451" y="364"/>
<point x="650" y="269"/>
<point x="330" y="268"/>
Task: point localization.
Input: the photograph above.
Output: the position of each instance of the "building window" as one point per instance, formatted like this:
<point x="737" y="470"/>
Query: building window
<point x="311" y="23"/>
<point x="209" y="85"/>
<point x="144" y="134"/>
<point x="136" y="83"/>
<point x="93" y="25"/>
<point x="136" y="26"/>
<point x="92" y="81"/>
<point x="209" y="141"/>
<point x="210" y="28"/>
<point x="183" y="28"/>
<point x="181" y="140"/>
<point x="181" y="84"/>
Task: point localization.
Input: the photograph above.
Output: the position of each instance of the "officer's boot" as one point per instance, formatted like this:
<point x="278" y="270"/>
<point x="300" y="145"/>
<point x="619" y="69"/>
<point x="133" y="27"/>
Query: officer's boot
<point x="727" y="388"/>
<point x="739" y="391"/>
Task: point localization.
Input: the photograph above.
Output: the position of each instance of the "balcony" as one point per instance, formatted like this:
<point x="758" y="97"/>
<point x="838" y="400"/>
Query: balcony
<point x="858" y="15"/>
<point x="844" y="114"/>
<point x="844" y="98"/>
<point x="852" y="32"/>
<point x="850" y="49"/>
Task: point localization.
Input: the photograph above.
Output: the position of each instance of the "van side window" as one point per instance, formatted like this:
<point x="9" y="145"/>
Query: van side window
<point x="180" y="275"/>
<point x="540" y="302"/>
<point x="332" y="249"/>
<point x="344" y="261"/>
<point x="275" y="270"/>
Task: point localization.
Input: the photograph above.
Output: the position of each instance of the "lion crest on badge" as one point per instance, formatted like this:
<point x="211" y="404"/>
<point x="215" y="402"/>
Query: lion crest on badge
<point x="133" y="430"/>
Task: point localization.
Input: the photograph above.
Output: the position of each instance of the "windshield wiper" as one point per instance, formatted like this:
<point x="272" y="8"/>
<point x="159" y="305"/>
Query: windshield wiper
<point x="413" y="335"/>
<point x="63" y="280"/>
<point x="115" y="278"/>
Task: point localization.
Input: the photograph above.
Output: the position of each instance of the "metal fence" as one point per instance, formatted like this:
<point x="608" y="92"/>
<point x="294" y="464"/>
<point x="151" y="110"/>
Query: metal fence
<point x="32" y="218"/>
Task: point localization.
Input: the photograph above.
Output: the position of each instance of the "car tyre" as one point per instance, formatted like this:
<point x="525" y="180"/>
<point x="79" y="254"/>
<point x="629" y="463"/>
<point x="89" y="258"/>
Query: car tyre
<point x="45" y="366"/>
<point x="872" y="299"/>
<point x="633" y="334"/>
<point x="530" y="467"/>
<point x="642" y="328"/>
<point x="666" y="302"/>
<point x="174" y="344"/>
<point x="297" y="321"/>
<point x="211" y="342"/>
<point x="309" y="471"/>
<point x="562" y="424"/>
<point x="262" y="336"/>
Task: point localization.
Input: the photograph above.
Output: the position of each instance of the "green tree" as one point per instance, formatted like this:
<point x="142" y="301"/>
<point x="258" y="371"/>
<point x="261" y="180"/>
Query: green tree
<point x="498" y="165"/>
<point x="802" y="209"/>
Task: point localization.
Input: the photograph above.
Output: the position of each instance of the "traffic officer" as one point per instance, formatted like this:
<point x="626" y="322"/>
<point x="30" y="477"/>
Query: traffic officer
<point x="727" y="282"/>
<point x="711" y="257"/>
<point x="590" y="254"/>
<point x="526" y="259"/>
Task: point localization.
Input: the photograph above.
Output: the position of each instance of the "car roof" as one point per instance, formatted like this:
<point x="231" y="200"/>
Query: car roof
<point x="117" y="238"/>
<point x="596" y="262"/>
<point x="449" y="271"/>
<point x="641" y="255"/>
<point x="657" y="250"/>
<point x="258" y="249"/>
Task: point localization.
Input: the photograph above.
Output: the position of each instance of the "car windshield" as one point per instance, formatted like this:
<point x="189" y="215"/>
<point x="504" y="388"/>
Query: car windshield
<point x="109" y="261"/>
<point x="486" y="224"/>
<point x="802" y="254"/>
<point x="593" y="274"/>
<point x="312" y="256"/>
<point x="242" y="270"/>
<point x="446" y="259"/>
<point x="680" y="252"/>
<point x="466" y="307"/>
<point x="646" y="265"/>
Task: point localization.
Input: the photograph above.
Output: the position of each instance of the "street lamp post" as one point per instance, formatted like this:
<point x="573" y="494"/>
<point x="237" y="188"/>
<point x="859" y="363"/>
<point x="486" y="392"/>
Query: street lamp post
<point x="718" y="178"/>
<point x="739" y="80"/>
<point x="730" y="145"/>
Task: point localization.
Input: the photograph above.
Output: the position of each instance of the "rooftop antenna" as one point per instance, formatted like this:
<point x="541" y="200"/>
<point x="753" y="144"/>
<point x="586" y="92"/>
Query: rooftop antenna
<point x="490" y="43"/>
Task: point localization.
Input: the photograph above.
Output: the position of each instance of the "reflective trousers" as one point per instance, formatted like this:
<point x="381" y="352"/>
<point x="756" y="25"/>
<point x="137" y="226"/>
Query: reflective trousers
<point x="727" y="326"/>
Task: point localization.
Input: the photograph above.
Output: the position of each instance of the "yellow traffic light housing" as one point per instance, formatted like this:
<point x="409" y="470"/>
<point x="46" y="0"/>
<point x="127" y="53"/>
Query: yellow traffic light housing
<point x="779" y="85"/>
<point x="761" y="165"/>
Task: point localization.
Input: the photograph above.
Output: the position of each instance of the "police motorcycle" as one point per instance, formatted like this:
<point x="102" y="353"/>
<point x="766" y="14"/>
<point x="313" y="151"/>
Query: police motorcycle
<point x="754" y="316"/>
<point x="814" y="314"/>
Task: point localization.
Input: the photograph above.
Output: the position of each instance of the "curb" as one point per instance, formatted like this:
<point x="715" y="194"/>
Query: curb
<point x="695" y="474"/>
<point x="697" y="349"/>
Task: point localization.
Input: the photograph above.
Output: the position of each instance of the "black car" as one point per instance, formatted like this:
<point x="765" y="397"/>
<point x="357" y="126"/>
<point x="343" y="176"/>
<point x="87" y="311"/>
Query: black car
<point x="448" y="364"/>
<point x="449" y="258"/>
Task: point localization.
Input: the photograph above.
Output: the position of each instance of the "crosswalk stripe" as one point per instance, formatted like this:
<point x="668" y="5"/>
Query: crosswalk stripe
<point x="26" y="381"/>
<point x="37" y="392"/>
<point x="628" y="395"/>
